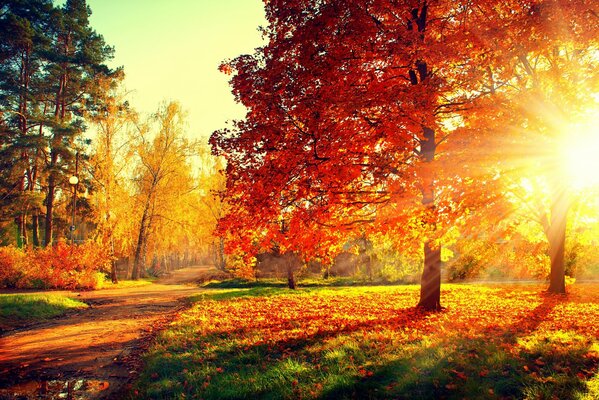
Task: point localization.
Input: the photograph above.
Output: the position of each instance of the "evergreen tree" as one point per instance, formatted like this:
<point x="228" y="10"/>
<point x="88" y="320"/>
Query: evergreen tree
<point x="23" y="45"/>
<point x="77" y="66"/>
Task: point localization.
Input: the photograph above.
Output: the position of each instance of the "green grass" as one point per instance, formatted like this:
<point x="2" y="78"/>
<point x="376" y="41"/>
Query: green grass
<point x="370" y="343"/>
<point x="305" y="282"/>
<point x="122" y="284"/>
<point x="35" y="307"/>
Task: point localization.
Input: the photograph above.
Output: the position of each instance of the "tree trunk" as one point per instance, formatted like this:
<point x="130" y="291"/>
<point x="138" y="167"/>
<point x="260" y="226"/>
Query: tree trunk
<point x="556" y="236"/>
<point x="35" y="235"/>
<point x="290" y="277"/>
<point x="35" y="227"/>
<point x="113" y="275"/>
<point x="49" y="211"/>
<point x="222" y="262"/>
<point x="139" y="262"/>
<point x="22" y="230"/>
<point x="430" y="284"/>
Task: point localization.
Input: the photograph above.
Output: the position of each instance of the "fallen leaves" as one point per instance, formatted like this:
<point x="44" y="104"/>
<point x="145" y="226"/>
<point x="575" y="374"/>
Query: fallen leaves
<point x="490" y="334"/>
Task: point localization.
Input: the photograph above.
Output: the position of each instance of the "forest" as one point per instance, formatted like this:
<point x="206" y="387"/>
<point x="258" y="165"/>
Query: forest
<point x="417" y="143"/>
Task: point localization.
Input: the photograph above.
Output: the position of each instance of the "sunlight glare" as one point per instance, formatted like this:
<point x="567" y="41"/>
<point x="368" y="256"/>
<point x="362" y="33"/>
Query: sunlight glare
<point x="581" y="156"/>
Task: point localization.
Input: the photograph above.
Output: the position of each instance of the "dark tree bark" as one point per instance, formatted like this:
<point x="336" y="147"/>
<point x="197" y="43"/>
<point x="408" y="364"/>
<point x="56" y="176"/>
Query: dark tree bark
<point x="35" y="235"/>
<point x="430" y="285"/>
<point x="35" y="227"/>
<point x="290" y="276"/>
<point x="49" y="223"/>
<point x="139" y="263"/>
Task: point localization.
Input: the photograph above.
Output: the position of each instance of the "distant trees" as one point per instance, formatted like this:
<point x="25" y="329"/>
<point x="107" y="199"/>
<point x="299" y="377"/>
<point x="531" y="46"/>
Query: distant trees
<point x="211" y="206"/>
<point x="154" y="191"/>
<point x="163" y="179"/>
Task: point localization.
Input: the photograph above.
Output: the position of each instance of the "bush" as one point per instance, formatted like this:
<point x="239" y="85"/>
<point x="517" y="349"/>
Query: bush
<point x="12" y="261"/>
<point x="58" y="267"/>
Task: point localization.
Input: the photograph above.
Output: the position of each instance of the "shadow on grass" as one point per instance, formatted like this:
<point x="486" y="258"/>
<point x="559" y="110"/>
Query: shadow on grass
<point x="266" y="370"/>
<point x="370" y="360"/>
<point x="456" y="369"/>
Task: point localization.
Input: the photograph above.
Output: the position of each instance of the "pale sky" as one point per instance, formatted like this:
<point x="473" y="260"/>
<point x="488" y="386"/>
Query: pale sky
<point x="171" y="50"/>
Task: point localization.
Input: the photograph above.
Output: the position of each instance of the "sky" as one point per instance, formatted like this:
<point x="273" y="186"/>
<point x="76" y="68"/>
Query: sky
<point x="171" y="50"/>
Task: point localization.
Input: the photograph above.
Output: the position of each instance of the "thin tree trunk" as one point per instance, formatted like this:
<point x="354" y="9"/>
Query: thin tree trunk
<point x="49" y="210"/>
<point x="58" y="115"/>
<point x="34" y="218"/>
<point x="23" y="115"/>
<point x="35" y="229"/>
<point x="139" y="262"/>
<point x="22" y="229"/>
<point x="113" y="274"/>
<point x="222" y="262"/>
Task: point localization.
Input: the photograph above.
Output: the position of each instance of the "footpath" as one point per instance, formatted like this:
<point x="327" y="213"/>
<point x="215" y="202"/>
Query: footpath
<point x="93" y="353"/>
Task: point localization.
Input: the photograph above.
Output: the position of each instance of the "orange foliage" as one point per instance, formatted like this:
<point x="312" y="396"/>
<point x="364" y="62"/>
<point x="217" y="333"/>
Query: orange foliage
<point x="58" y="267"/>
<point x="12" y="261"/>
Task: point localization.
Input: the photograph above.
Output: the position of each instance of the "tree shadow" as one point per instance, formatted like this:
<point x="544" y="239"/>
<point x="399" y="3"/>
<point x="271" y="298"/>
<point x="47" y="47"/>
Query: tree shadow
<point x="513" y="362"/>
<point x="510" y="362"/>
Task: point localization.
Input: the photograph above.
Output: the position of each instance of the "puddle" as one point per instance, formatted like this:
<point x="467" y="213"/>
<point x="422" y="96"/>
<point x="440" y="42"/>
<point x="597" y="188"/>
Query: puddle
<point x="79" y="389"/>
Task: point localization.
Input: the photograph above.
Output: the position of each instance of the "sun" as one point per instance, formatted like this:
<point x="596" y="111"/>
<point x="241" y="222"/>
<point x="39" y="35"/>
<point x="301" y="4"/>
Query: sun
<point x="580" y="152"/>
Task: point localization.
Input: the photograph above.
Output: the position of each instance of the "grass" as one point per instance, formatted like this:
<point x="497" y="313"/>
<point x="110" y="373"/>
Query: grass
<point x="35" y="307"/>
<point x="304" y="282"/>
<point x="496" y="342"/>
<point x="123" y="284"/>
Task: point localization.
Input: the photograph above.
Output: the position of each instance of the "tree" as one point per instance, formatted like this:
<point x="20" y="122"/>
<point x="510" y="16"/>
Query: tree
<point x="543" y="63"/>
<point x="23" y="45"/>
<point x="113" y="121"/>
<point x="210" y="206"/>
<point x="347" y="107"/>
<point x="162" y="176"/>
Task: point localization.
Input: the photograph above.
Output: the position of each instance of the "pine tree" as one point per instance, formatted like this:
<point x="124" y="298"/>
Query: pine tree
<point x="77" y="64"/>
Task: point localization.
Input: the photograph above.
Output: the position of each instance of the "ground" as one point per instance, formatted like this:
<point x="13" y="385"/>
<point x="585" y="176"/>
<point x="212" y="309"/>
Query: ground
<point x="94" y="352"/>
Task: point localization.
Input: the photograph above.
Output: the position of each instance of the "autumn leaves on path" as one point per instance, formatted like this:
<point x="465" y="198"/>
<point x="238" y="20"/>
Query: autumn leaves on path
<point x="93" y="352"/>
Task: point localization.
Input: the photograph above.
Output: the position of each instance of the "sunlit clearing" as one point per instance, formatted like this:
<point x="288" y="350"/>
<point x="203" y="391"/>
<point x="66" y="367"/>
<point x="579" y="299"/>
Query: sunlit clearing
<point x="581" y="155"/>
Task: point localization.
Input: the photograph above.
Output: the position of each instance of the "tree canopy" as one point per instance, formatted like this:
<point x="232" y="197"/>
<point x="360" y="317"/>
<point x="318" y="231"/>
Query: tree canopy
<point x="385" y="116"/>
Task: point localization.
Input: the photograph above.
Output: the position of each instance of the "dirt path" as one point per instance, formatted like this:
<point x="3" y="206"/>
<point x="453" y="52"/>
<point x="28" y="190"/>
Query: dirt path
<point x="94" y="352"/>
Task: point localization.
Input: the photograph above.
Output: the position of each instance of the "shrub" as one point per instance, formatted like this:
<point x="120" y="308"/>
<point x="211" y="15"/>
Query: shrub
<point x="12" y="260"/>
<point x="58" y="267"/>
